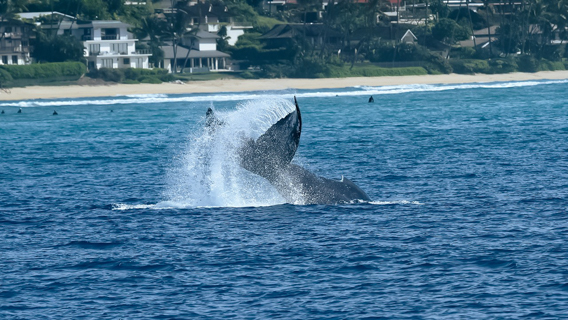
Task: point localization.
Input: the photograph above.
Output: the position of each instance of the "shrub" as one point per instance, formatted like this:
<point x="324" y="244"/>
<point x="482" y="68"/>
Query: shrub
<point x="311" y="68"/>
<point x="470" y="66"/>
<point x="502" y="66"/>
<point x="132" y="74"/>
<point x="275" y="71"/>
<point x="150" y="79"/>
<point x="248" y="75"/>
<point x="527" y="63"/>
<point x="545" y="65"/>
<point x="5" y="77"/>
<point x="167" y="77"/>
<point x="107" y="74"/>
<point x="373" y="71"/>
<point x="46" y="70"/>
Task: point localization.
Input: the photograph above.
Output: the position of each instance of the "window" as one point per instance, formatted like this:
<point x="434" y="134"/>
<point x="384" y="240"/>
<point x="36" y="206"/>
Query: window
<point x="94" y="49"/>
<point x="119" y="47"/>
<point x="107" y="63"/>
<point x="109" y="34"/>
<point x="14" y="59"/>
<point x="126" y="61"/>
<point x="5" y="59"/>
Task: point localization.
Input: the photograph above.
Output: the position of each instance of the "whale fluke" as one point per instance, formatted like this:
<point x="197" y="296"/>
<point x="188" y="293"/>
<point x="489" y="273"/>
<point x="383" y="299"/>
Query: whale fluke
<point x="270" y="157"/>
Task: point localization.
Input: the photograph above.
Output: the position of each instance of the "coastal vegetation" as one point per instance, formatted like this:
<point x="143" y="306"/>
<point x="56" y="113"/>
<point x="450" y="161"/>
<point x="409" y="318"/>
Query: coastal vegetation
<point x="341" y="39"/>
<point x="41" y="73"/>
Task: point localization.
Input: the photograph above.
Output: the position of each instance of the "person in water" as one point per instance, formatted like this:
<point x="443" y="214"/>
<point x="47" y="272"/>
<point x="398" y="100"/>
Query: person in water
<point x="55" y="113"/>
<point x="2" y="111"/>
<point x="371" y="99"/>
<point x="20" y="110"/>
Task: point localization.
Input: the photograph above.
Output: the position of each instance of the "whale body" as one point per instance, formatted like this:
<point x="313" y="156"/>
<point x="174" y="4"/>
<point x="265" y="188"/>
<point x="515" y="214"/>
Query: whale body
<point x="270" y="157"/>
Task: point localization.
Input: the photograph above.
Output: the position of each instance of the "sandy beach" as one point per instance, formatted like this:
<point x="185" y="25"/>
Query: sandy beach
<point x="232" y="85"/>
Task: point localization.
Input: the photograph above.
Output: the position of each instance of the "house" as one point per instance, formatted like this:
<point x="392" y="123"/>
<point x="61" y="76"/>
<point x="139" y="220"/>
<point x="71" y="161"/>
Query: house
<point x="282" y="35"/>
<point x="409" y="37"/>
<point x="15" y="38"/>
<point x="210" y="17"/>
<point x="480" y="39"/>
<point x="108" y="44"/>
<point x="197" y="53"/>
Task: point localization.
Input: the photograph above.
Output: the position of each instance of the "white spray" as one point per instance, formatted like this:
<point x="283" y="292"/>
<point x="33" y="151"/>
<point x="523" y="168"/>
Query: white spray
<point x="207" y="172"/>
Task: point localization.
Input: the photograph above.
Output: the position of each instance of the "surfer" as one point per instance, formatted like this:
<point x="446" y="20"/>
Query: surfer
<point x="20" y="110"/>
<point x="2" y="111"/>
<point x="371" y="99"/>
<point x="55" y="113"/>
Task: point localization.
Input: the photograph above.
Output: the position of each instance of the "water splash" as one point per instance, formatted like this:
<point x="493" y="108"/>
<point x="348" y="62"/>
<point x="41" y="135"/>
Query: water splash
<point x="207" y="172"/>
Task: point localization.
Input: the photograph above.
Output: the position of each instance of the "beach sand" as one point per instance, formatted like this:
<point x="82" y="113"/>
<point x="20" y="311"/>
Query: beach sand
<point x="232" y="85"/>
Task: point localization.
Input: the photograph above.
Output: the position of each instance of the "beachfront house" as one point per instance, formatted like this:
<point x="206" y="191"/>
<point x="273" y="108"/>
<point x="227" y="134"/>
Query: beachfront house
<point x="282" y="35"/>
<point x="15" y="38"/>
<point x="196" y="53"/>
<point x="107" y="43"/>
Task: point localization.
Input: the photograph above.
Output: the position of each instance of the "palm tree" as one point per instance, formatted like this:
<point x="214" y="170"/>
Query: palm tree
<point x="190" y="34"/>
<point x="9" y="8"/>
<point x="488" y="12"/>
<point x="152" y="28"/>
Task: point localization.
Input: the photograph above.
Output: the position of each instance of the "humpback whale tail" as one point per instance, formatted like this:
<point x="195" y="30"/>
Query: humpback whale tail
<point x="270" y="157"/>
<point x="245" y="158"/>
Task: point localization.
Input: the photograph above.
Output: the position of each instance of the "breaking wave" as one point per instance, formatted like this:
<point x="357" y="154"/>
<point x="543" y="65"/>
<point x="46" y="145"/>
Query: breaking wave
<point x="285" y="94"/>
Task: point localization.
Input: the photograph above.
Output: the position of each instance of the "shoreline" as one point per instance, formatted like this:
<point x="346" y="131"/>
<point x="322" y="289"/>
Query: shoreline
<point x="234" y="85"/>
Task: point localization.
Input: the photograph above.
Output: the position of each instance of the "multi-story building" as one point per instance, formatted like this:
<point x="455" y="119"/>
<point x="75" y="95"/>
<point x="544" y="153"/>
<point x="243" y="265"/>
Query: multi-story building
<point x="108" y="44"/>
<point x="15" y="42"/>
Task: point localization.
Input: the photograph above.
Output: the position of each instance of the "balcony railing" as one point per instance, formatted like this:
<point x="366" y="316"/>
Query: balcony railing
<point x="143" y="51"/>
<point x="116" y="53"/>
<point x="111" y="37"/>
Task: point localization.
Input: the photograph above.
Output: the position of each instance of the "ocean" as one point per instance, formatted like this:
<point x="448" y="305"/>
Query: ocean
<point x="125" y="208"/>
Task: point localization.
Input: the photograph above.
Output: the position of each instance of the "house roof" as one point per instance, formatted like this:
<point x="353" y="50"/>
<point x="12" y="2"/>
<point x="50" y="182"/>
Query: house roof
<point x="89" y="24"/>
<point x="182" y="53"/>
<point x="34" y="15"/>
<point x="408" y="32"/>
<point x="206" y="9"/>
<point x="206" y="35"/>
<point x="481" y="42"/>
<point x="483" y="32"/>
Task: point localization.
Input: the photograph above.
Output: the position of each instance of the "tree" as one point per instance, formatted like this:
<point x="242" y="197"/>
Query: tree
<point x="9" y="8"/>
<point x="152" y="28"/>
<point x="58" y="48"/>
<point x="447" y="30"/>
<point x="222" y="43"/>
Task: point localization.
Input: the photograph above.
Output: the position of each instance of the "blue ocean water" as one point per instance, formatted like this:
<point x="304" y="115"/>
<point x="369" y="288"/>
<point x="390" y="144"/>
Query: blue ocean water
<point x="108" y="211"/>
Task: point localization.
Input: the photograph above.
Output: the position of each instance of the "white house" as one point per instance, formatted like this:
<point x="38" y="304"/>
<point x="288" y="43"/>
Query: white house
<point x="196" y="53"/>
<point x="107" y="44"/>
